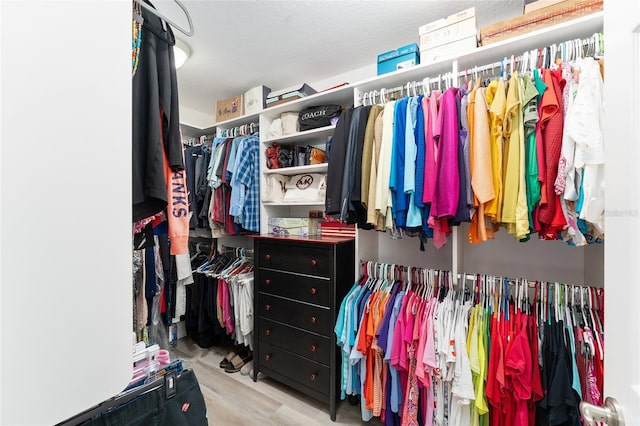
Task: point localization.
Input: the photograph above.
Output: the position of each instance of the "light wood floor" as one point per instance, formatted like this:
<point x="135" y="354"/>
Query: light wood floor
<point x="234" y="399"/>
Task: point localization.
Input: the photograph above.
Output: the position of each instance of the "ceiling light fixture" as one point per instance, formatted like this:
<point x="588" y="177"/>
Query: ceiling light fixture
<point x="181" y="52"/>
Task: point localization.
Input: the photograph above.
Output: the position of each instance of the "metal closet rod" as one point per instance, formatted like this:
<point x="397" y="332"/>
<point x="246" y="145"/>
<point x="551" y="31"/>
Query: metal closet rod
<point x="462" y="275"/>
<point x="153" y="11"/>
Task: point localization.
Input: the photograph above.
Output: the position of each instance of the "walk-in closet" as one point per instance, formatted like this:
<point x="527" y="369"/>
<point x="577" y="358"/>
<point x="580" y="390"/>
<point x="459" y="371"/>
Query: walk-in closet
<point x="314" y="212"/>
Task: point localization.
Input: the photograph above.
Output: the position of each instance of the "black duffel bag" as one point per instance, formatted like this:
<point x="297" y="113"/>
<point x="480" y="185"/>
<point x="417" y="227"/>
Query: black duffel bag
<point x="318" y="116"/>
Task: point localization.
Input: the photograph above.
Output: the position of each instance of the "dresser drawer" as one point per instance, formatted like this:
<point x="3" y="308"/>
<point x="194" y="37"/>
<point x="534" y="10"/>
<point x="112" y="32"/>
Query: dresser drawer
<point x="297" y="314"/>
<point x="304" y="371"/>
<point x="307" y="289"/>
<point x="308" y="345"/>
<point x="308" y="260"/>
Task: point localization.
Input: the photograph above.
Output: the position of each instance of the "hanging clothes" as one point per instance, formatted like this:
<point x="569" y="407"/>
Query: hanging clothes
<point x="418" y="351"/>
<point x="155" y="123"/>
<point x="220" y="302"/>
<point x="233" y="174"/>
<point x="509" y="153"/>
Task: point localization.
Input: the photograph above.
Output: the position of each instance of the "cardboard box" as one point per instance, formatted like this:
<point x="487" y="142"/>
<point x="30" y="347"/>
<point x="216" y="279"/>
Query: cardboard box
<point x="255" y="99"/>
<point x="541" y="18"/>
<point x="450" y="49"/>
<point x="464" y="15"/>
<point x="394" y="60"/>
<point x="227" y="109"/>
<point x="449" y="34"/>
<point x="289" y="226"/>
<point x="539" y="4"/>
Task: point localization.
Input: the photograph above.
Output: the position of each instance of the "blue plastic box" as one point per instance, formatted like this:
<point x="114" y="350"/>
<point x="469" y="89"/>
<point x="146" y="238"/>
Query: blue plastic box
<point x="404" y="57"/>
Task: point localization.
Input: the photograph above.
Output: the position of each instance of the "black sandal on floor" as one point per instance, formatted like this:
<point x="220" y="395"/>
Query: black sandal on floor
<point x="225" y="361"/>
<point x="236" y="363"/>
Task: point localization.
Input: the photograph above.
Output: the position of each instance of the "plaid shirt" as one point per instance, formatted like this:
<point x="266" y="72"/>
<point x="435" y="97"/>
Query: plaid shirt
<point x="248" y="174"/>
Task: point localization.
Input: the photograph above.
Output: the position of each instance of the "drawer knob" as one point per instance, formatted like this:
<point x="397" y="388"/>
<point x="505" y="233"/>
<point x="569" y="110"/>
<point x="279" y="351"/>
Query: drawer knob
<point x="313" y="320"/>
<point x="267" y="282"/>
<point x="314" y="348"/>
<point x="313" y="290"/>
<point x="267" y="332"/>
<point x="267" y="357"/>
<point x="267" y="307"/>
<point x="267" y="257"/>
<point x="314" y="262"/>
<point x="313" y="377"/>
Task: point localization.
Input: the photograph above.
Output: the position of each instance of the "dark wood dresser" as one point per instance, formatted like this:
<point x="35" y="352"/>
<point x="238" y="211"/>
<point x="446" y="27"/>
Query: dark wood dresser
<point x="300" y="284"/>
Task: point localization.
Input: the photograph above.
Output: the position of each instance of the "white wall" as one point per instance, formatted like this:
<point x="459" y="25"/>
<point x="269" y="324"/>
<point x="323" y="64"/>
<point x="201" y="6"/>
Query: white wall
<point x="65" y="224"/>
<point x="622" y="216"/>
<point x="503" y="256"/>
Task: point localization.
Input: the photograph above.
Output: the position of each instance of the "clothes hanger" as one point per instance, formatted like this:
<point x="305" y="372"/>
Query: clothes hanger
<point x="377" y="271"/>
<point x="525" y="297"/>
<point x="516" y="292"/>
<point x="364" y="98"/>
<point x="570" y="304"/>
<point x="543" y="302"/>
<point x="594" y="318"/>
<point x="598" y="308"/>
<point x="426" y="86"/>
<point x="188" y="32"/>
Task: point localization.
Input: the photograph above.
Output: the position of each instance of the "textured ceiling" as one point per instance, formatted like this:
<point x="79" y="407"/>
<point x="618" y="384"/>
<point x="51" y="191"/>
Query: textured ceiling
<point x="241" y="44"/>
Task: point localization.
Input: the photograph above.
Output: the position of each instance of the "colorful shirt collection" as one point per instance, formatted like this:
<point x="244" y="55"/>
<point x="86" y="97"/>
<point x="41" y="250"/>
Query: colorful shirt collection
<point x="524" y="153"/>
<point x="420" y="354"/>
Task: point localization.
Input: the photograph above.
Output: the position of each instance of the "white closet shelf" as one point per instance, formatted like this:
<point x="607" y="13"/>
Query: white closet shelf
<point x="238" y="121"/>
<point x="415" y="73"/>
<point x="302" y="136"/>
<point x="581" y="27"/>
<point x="342" y="95"/>
<point x="289" y="171"/>
<point x="292" y="203"/>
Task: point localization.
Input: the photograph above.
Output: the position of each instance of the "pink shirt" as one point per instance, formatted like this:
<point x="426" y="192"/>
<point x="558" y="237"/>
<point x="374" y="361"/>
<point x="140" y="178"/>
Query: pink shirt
<point x="430" y="111"/>
<point x="445" y="202"/>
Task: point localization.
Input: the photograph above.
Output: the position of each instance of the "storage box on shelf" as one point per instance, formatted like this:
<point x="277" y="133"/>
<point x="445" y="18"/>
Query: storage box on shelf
<point x="455" y="33"/>
<point x="398" y="59"/>
<point x="539" y="4"/>
<point x="535" y="20"/>
<point x="290" y="94"/>
<point x="292" y="226"/>
<point x="227" y="109"/>
<point x="255" y="99"/>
